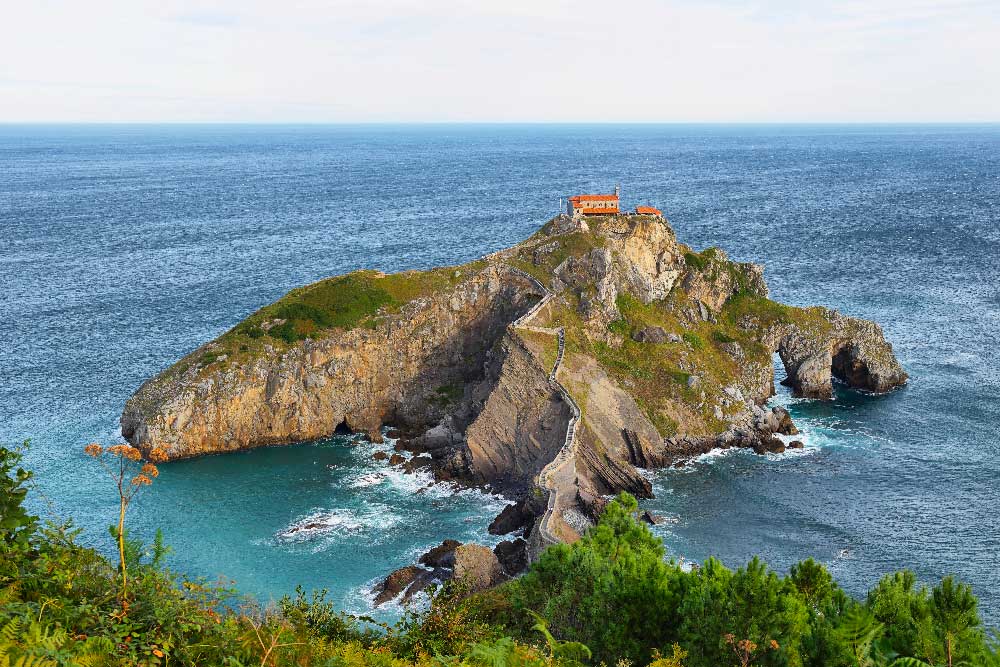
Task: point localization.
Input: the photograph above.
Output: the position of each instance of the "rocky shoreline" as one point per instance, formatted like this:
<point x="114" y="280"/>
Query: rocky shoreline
<point x="551" y="371"/>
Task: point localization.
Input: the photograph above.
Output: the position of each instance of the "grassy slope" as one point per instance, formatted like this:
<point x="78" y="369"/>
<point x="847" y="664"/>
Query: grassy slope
<point x="653" y="374"/>
<point x="358" y="299"/>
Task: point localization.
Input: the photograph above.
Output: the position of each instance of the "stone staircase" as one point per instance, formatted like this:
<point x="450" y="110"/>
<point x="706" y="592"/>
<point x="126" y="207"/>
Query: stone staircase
<point x="561" y="468"/>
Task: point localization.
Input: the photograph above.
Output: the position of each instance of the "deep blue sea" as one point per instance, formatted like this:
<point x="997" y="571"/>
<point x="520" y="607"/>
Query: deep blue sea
<point x="124" y="247"/>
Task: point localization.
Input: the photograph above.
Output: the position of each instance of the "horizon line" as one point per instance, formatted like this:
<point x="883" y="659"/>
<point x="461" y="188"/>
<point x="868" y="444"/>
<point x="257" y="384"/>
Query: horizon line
<point x="500" y="122"/>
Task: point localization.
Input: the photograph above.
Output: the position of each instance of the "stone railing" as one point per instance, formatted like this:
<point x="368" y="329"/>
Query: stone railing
<point x="546" y="296"/>
<point x="567" y="452"/>
<point x="565" y="455"/>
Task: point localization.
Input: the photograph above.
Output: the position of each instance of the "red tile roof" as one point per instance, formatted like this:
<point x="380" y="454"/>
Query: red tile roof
<point x="579" y="198"/>
<point x="648" y="210"/>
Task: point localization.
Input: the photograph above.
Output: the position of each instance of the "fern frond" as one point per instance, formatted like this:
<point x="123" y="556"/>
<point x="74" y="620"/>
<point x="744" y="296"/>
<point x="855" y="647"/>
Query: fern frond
<point x="908" y="662"/>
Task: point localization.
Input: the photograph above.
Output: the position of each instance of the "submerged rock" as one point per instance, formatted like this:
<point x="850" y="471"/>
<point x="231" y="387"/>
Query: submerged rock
<point x="652" y="519"/>
<point x="417" y="463"/>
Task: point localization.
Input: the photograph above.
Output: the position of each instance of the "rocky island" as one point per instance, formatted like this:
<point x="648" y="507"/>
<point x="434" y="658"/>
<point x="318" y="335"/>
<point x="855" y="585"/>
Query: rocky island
<point x="551" y="371"/>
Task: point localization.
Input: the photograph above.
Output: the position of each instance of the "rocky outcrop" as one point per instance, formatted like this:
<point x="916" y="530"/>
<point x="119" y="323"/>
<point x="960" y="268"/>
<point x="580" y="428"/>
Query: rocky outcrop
<point x="477" y="568"/>
<point x="655" y="335"/>
<point x="443" y="555"/>
<point x="473" y="567"/>
<point x="553" y="371"/>
<point x="407" y="581"/>
<point x="513" y="556"/>
<point x="405" y="369"/>
<point x="521" y="425"/>
<point x="711" y="279"/>
<point x="513" y="517"/>
<point x="847" y="349"/>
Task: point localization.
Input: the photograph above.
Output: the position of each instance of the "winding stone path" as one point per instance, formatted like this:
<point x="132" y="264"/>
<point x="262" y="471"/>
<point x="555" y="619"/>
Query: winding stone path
<point x="559" y="473"/>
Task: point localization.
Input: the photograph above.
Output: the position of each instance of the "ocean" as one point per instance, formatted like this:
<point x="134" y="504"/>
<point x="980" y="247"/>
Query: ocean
<point x="124" y="247"/>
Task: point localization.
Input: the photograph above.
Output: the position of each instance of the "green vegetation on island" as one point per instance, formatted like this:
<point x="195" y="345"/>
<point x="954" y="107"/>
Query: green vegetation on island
<point x="611" y="598"/>
<point x="343" y="302"/>
<point x="349" y="301"/>
<point x="717" y="349"/>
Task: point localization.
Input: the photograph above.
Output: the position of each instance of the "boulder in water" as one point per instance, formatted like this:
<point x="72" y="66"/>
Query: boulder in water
<point x="398" y="581"/>
<point x="652" y="519"/>
<point x="771" y="445"/>
<point x="510" y="519"/>
<point x="443" y="555"/>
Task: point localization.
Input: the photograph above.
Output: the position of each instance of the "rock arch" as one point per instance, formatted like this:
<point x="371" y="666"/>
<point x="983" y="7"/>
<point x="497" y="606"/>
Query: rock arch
<point x="850" y="350"/>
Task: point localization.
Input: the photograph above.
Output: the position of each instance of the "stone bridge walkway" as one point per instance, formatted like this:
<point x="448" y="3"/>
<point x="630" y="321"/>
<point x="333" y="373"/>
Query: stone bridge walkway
<point x="560" y="473"/>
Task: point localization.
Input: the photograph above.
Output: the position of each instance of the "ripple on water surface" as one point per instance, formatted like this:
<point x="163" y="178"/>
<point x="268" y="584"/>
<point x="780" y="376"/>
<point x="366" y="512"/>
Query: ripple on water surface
<point x="323" y="515"/>
<point x="123" y="248"/>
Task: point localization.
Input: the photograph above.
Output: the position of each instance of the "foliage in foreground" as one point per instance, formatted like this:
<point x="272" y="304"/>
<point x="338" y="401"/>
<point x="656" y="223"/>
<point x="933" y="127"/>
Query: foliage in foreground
<point x="614" y="591"/>
<point x="609" y="599"/>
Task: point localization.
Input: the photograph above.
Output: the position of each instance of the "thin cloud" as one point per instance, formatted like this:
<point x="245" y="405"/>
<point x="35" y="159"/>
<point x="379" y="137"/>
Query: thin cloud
<point x="207" y="19"/>
<point x="521" y="60"/>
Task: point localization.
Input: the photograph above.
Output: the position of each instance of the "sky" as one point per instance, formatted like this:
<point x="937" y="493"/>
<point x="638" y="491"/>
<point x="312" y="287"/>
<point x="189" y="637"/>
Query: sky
<point x="347" y="61"/>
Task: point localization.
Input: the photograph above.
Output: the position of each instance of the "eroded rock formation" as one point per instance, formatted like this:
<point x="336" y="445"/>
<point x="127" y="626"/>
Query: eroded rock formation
<point x="406" y="368"/>
<point x="552" y="371"/>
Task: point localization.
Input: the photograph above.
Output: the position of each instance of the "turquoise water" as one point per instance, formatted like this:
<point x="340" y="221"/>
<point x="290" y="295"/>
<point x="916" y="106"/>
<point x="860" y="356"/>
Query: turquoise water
<point x="323" y="514"/>
<point x="124" y="247"/>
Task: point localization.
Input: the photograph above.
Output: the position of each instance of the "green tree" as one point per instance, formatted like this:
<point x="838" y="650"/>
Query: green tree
<point x="17" y="526"/>
<point x="612" y="590"/>
<point x="902" y="606"/>
<point x="956" y="621"/>
<point x="813" y="582"/>
<point x="747" y="616"/>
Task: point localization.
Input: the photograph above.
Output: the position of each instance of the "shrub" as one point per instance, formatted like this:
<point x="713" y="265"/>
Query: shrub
<point x="17" y="527"/>
<point x="609" y="598"/>
<point x="720" y="336"/>
<point x="693" y="339"/>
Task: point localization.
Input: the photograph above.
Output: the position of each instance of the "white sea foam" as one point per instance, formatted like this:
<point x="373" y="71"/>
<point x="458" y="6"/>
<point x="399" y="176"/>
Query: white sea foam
<point x="367" y="479"/>
<point x="715" y="454"/>
<point x="321" y="525"/>
<point x="371" y="473"/>
<point x="360" y="601"/>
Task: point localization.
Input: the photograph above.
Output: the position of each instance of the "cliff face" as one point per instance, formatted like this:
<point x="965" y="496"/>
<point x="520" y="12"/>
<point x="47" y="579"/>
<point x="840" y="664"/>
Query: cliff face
<point x="408" y="369"/>
<point x="521" y="425"/>
<point x="551" y="370"/>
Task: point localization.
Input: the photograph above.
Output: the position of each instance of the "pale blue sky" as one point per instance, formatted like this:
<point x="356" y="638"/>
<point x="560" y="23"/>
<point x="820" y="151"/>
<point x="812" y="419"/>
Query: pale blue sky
<point x="510" y="60"/>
